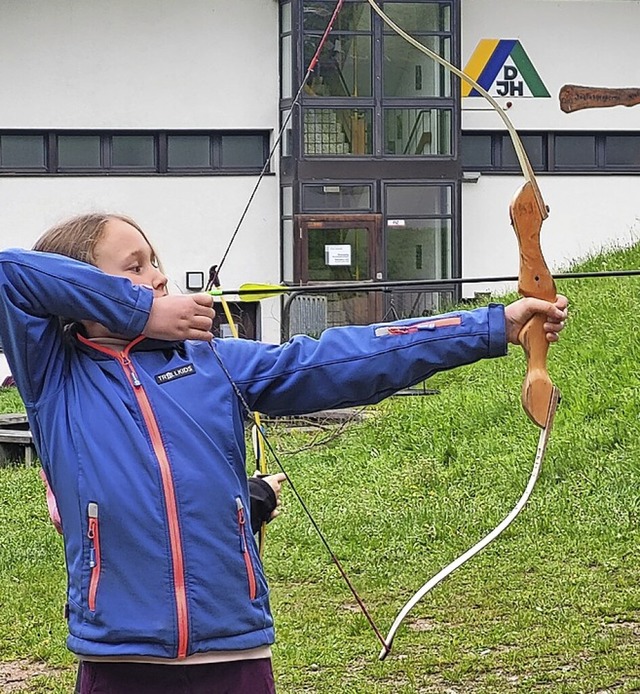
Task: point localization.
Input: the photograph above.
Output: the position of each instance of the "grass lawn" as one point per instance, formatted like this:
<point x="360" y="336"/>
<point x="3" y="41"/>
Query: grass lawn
<point x="552" y="606"/>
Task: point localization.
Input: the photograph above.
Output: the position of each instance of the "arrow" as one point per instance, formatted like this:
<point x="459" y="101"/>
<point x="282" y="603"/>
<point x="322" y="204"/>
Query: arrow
<point x="257" y="292"/>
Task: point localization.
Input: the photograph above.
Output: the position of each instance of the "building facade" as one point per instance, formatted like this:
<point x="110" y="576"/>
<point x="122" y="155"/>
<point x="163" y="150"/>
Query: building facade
<point x="388" y="168"/>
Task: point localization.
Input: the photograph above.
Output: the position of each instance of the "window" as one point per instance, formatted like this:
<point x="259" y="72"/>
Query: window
<point x="575" y="151"/>
<point x="336" y="131"/>
<point x="419" y="250"/>
<point x="133" y="152"/>
<point x="489" y="151"/>
<point x="533" y="146"/>
<point x="622" y="150"/>
<point x="420" y="17"/>
<point x="419" y="221"/>
<point x="336" y="197"/>
<point x="188" y="152"/>
<point x="411" y="73"/>
<point x="167" y="153"/>
<point x="344" y="67"/>
<point x="408" y="72"/>
<point x="79" y="152"/>
<point x="418" y="200"/>
<point x="22" y="152"/>
<point x="286" y="143"/>
<point x="476" y="152"/>
<point x="286" y="61"/>
<point x="286" y="230"/>
<point x="243" y="151"/>
<point x="417" y="131"/>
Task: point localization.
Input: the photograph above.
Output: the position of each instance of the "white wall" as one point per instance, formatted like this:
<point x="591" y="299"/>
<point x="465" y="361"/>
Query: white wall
<point x="569" y="42"/>
<point x="148" y="64"/>
<point x="138" y="63"/>
<point x="587" y="213"/>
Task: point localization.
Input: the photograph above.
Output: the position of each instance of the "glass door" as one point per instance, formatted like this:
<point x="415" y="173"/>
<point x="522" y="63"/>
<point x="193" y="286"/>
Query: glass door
<point x="342" y="248"/>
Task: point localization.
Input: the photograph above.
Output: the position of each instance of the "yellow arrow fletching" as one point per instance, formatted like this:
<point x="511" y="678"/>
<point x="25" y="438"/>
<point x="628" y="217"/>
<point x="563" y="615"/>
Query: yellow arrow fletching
<point x="258" y="292"/>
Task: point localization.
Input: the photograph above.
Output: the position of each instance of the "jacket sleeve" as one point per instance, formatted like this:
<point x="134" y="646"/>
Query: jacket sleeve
<point x="36" y="291"/>
<point x="359" y="365"/>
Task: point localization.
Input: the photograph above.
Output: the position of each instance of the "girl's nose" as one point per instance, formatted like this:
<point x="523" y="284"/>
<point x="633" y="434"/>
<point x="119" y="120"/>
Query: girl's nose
<point x="160" y="282"/>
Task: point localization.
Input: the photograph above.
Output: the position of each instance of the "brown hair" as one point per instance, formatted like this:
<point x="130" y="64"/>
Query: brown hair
<point x="77" y="237"/>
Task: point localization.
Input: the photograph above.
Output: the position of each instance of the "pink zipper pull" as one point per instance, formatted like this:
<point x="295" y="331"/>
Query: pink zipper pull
<point x="92" y="513"/>
<point x="126" y="362"/>
<point x="242" y="521"/>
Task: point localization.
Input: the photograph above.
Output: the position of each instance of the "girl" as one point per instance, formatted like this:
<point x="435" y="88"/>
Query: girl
<point x="138" y="417"/>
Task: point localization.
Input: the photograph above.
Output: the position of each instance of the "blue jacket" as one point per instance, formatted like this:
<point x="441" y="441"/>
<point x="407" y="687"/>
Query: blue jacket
<point x="144" y="449"/>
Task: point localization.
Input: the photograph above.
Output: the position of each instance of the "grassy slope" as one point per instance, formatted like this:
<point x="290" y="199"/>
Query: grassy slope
<point x="553" y="605"/>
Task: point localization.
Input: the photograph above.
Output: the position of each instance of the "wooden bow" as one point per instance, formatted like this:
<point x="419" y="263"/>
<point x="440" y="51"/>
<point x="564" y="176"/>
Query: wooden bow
<point x="527" y="212"/>
<point x="539" y="396"/>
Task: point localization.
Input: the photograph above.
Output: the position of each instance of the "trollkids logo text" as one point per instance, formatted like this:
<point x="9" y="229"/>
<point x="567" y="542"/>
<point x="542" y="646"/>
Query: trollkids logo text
<point x="175" y="373"/>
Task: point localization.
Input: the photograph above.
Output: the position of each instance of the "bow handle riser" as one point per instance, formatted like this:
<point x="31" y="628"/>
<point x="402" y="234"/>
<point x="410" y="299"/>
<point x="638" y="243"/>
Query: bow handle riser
<point x="528" y="212"/>
<point x="537" y="388"/>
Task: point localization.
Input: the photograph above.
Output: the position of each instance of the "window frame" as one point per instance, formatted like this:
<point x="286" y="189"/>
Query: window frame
<point x="550" y="163"/>
<point x="378" y="102"/>
<point x="160" y="150"/>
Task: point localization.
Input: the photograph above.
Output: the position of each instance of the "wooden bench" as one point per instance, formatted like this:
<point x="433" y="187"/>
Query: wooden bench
<point x="16" y="442"/>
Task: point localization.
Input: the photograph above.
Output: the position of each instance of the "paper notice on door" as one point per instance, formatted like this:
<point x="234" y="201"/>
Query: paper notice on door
<point x="337" y="254"/>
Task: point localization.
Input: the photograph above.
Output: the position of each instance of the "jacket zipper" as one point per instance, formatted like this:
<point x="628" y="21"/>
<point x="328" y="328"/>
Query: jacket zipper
<point x="244" y="547"/>
<point x="93" y="533"/>
<point x="175" y="538"/>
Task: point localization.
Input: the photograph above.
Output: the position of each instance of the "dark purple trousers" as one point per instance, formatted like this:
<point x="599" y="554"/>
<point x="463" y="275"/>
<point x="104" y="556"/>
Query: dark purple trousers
<point x="235" y="677"/>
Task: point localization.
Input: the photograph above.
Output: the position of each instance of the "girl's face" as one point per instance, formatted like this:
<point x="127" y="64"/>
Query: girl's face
<point x="124" y="251"/>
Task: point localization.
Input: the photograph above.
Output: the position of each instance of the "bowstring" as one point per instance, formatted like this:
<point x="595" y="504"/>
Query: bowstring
<point x="316" y="527"/>
<point x="249" y="413"/>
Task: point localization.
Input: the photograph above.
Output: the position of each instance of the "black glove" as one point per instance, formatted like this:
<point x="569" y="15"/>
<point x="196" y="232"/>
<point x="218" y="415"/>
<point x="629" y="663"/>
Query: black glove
<point x="263" y="502"/>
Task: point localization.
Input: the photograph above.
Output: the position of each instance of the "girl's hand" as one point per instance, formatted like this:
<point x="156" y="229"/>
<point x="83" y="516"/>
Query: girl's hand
<point x="519" y="312"/>
<point x="181" y="317"/>
<point x="275" y="482"/>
